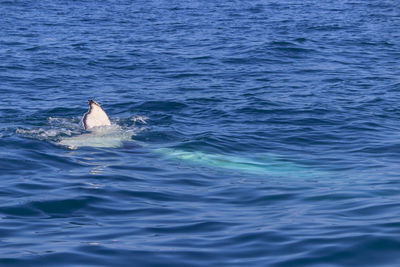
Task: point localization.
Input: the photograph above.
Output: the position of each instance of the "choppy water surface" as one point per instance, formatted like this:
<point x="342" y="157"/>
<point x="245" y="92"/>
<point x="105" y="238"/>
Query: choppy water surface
<point x="246" y="133"/>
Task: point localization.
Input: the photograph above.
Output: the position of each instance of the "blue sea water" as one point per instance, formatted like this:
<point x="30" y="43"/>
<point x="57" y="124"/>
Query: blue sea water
<point x="250" y="133"/>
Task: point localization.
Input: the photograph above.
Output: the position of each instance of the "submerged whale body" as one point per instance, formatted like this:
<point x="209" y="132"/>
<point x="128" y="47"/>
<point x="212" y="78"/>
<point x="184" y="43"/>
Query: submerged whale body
<point x="261" y="164"/>
<point x="95" y="116"/>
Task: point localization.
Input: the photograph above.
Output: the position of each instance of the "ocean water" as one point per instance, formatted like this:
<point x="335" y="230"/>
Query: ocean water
<point x="245" y="133"/>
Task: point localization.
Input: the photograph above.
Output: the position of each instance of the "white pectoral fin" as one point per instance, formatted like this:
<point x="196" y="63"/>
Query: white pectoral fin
<point x="95" y="116"/>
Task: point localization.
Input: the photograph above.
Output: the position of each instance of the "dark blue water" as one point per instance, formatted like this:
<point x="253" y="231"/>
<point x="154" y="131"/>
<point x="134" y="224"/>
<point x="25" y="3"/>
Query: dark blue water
<point x="250" y="133"/>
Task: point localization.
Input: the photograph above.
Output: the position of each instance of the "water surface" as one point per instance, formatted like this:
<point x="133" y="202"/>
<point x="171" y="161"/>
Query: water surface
<point x="252" y="133"/>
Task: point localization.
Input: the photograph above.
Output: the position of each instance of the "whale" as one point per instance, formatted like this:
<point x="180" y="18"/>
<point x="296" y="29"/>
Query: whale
<point x="101" y="133"/>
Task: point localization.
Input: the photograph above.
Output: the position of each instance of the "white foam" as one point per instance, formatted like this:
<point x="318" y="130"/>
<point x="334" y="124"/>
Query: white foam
<point x="111" y="140"/>
<point x="112" y="136"/>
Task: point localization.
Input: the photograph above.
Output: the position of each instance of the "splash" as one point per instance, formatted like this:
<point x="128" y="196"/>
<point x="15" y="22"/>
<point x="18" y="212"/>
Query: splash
<point x="67" y="133"/>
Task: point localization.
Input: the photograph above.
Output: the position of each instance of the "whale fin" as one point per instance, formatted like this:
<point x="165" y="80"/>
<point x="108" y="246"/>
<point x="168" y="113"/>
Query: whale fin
<point x="95" y="116"/>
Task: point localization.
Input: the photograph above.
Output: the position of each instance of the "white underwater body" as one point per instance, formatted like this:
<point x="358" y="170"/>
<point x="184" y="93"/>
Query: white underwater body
<point x="259" y="164"/>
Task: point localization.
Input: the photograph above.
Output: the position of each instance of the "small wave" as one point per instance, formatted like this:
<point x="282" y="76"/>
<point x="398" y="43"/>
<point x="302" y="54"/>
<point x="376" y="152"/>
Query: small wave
<point x="55" y="120"/>
<point x="140" y="119"/>
<point x="65" y="122"/>
<point x="43" y="134"/>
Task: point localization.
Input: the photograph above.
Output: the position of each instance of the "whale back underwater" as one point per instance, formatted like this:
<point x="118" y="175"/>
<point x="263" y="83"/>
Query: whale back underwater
<point x="106" y="134"/>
